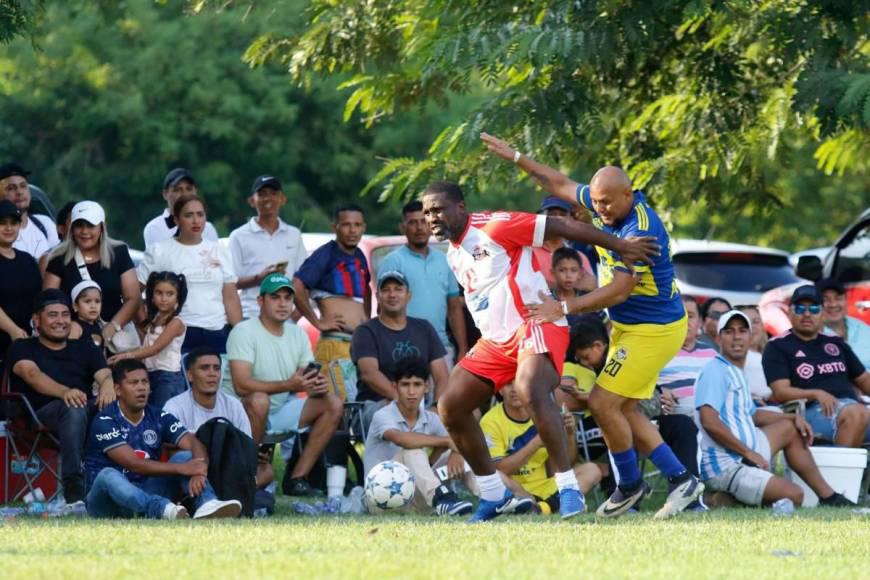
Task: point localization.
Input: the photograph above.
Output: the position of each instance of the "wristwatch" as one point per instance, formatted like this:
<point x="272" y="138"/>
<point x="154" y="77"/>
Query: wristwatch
<point x="565" y="307"/>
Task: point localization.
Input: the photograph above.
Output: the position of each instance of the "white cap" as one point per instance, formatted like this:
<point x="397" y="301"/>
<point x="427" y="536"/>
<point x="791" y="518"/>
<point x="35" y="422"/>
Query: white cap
<point x="82" y="286"/>
<point x="90" y="211"/>
<point x="723" y="320"/>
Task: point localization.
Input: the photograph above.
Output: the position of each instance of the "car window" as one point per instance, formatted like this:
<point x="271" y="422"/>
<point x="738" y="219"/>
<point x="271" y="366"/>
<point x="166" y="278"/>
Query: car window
<point x="734" y="271"/>
<point x="853" y="261"/>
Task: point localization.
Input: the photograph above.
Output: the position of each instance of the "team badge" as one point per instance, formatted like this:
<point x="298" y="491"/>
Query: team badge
<point x="832" y="349"/>
<point x="621" y="353"/>
<point x="805" y="371"/>
<point x="149" y="437"/>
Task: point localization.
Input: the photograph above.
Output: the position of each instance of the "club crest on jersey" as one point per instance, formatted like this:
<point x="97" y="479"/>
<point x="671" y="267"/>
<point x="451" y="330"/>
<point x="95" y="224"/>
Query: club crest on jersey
<point x="149" y="437"/>
<point x="805" y="371"/>
<point x="621" y="353"/>
<point x="479" y="253"/>
<point x="832" y="349"/>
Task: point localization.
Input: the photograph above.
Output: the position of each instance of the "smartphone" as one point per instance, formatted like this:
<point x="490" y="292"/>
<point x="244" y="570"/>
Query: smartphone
<point x="312" y="366"/>
<point x="281" y="266"/>
<point x="267" y="448"/>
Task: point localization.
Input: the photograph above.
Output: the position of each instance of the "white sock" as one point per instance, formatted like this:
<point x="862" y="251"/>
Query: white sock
<point x="491" y="487"/>
<point x="566" y="480"/>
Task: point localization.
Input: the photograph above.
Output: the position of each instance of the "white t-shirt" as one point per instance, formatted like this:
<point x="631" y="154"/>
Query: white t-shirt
<point x="33" y="241"/>
<point x="754" y="374"/>
<point x="157" y="231"/>
<point x="192" y="415"/>
<point x="253" y="249"/>
<point x="207" y="266"/>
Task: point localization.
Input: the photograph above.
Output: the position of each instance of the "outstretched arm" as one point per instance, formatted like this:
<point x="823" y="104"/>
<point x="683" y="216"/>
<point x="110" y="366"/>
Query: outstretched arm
<point x="550" y="180"/>
<point x="631" y="249"/>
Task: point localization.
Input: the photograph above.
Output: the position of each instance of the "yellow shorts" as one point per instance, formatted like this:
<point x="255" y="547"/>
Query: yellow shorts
<point x="637" y="354"/>
<point x="328" y="350"/>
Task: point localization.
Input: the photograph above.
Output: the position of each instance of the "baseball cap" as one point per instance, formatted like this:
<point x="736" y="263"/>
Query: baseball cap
<point x="178" y="174"/>
<point x="806" y="292"/>
<point x="10" y="169"/>
<point x="392" y="275"/>
<point x="723" y="321"/>
<point x="265" y="181"/>
<point x="81" y="287"/>
<point x="89" y="211"/>
<point x="553" y="202"/>
<point x="830" y="284"/>
<point x="48" y="297"/>
<point x="274" y="282"/>
<point x="8" y="209"/>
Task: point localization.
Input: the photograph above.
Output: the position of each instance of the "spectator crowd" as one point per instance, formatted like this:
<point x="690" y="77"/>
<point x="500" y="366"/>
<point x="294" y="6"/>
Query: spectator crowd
<point x="125" y="363"/>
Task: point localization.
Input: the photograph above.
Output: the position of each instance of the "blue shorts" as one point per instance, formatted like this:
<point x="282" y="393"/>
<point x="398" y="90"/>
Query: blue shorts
<point x="826" y="427"/>
<point x="286" y="418"/>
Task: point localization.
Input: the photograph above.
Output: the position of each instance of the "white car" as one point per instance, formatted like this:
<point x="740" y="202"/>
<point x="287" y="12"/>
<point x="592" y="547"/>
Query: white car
<point x="737" y="272"/>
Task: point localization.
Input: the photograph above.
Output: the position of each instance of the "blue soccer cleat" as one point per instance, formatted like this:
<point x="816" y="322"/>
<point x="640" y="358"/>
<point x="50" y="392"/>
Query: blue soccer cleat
<point x="487" y="510"/>
<point x="571" y="503"/>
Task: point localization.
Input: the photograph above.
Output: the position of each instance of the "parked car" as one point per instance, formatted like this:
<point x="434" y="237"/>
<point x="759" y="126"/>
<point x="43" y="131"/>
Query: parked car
<point x="848" y="261"/>
<point x="737" y="272"/>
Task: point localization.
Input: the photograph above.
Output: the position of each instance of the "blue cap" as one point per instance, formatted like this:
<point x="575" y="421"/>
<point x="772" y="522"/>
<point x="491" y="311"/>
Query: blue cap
<point x="553" y="202"/>
<point x="392" y="275"/>
<point x="808" y="293"/>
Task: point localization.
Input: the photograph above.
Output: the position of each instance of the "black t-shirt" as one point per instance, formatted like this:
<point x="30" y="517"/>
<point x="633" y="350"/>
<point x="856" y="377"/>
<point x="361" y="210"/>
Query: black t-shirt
<point x="825" y="363"/>
<point x="20" y="281"/>
<point x="108" y="279"/>
<point x="73" y="367"/>
<point x="373" y="339"/>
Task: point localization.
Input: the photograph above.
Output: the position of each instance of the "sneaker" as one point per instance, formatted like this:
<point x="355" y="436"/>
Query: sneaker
<point x="487" y="510"/>
<point x="836" y="500"/>
<point x="174" y="511"/>
<point x="620" y="501"/>
<point x="450" y="505"/>
<point x="571" y="503"/>
<point x="299" y="487"/>
<point x="76" y="508"/>
<point x="216" y="508"/>
<point x="698" y="506"/>
<point x="681" y="497"/>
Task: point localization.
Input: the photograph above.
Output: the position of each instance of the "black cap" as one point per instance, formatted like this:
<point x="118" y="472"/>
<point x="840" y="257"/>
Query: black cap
<point x="10" y="169"/>
<point x="804" y="293"/>
<point x="8" y="209"/>
<point x="49" y="297"/>
<point x="393" y="275"/>
<point x="178" y="174"/>
<point x="265" y="181"/>
<point x="830" y="284"/>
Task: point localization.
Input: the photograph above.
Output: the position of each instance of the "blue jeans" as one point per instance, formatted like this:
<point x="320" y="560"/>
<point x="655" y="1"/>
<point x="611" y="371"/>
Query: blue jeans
<point x="164" y="386"/>
<point x="112" y="495"/>
<point x="195" y="336"/>
<point x="826" y="427"/>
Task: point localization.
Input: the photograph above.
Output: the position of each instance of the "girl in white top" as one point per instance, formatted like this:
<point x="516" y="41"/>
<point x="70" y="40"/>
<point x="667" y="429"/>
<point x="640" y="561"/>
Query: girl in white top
<point x="213" y="301"/>
<point x="162" y="335"/>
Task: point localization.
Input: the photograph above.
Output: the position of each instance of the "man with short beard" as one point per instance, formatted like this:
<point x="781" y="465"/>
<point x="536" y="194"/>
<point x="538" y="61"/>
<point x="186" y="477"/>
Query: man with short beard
<point x="56" y="376"/>
<point x="805" y="363"/>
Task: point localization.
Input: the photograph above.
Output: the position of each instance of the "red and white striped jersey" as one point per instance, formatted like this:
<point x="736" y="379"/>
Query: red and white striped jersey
<point x="494" y="263"/>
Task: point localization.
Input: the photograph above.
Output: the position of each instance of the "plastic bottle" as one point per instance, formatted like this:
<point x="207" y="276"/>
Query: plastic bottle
<point x="353" y="503"/>
<point x="783" y="508"/>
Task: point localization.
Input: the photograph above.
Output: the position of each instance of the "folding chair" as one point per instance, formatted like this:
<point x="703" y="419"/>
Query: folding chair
<point x="589" y="440"/>
<point x="25" y="437"/>
<point x="353" y="410"/>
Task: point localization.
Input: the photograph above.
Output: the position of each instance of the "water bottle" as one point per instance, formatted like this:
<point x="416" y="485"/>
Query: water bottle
<point x="783" y="508"/>
<point x="353" y="503"/>
<point x="301" y="507"/>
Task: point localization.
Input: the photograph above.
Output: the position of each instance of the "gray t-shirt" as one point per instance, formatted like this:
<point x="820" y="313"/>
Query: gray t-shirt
<point x="192" y="415"/>
<point x="390" y="418"/>
<point x="373" y="339"/>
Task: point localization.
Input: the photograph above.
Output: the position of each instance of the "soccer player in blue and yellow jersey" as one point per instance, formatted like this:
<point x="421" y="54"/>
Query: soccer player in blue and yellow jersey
<point x="649" y="326"/>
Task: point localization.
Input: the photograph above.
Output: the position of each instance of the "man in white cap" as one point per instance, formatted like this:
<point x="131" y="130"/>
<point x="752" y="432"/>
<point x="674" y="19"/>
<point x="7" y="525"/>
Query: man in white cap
<point x="177" y="182"/>
<point x="38" y="233"/>
<point x="739" y="441"/>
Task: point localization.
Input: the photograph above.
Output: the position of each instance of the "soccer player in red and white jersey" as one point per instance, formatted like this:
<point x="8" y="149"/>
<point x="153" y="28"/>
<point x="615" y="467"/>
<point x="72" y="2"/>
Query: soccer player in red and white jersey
<point x="491" y="255"/>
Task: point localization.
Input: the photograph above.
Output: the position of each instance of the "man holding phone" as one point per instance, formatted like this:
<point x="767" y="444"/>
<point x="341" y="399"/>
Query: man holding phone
<point x="281" y="387"/>
<point x="265" y="244"/>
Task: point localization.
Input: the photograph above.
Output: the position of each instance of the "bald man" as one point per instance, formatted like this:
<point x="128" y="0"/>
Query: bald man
<point x="649" y="326"/>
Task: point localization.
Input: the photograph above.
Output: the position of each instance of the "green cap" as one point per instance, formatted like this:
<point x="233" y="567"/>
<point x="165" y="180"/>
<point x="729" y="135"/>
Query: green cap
<point x="274" y="282"/>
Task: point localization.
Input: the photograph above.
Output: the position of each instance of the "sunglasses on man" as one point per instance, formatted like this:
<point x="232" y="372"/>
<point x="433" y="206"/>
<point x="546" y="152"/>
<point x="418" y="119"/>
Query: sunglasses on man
<point x="802" y="308"/>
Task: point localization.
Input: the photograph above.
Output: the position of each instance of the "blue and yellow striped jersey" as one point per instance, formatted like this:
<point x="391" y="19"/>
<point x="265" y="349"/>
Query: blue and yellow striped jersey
<point x="655" y="299"/>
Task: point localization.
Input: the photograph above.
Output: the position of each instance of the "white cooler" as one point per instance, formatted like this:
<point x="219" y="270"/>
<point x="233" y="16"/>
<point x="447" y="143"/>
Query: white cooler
<point x="843" y="469"/>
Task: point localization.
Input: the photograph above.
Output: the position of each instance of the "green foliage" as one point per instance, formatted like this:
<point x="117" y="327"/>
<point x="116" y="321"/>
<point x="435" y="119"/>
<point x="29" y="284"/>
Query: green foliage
<point x="702" y="101"/>
<point x="18" y="17"/>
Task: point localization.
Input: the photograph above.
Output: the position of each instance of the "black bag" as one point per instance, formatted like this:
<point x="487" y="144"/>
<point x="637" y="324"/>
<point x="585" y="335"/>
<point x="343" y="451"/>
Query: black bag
<point x="232" y="462"/>
<point x="339" y="451"/>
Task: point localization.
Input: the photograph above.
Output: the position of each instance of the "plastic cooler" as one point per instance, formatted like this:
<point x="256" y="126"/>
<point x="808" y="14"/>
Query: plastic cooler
<point x="843" y="469"/>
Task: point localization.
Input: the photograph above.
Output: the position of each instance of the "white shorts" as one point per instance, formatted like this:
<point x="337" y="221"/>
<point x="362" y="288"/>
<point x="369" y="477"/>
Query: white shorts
<point x="286" y="418"/>
<point x="744" y="482"/>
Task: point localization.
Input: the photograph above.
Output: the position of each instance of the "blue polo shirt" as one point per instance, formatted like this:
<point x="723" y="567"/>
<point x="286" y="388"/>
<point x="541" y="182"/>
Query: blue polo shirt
<point x="431" y="282"/>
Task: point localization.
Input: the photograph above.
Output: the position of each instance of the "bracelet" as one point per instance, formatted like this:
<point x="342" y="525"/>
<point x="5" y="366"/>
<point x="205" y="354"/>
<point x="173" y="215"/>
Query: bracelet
<point x="517" y="156"/>
<point x="565" y="307"/>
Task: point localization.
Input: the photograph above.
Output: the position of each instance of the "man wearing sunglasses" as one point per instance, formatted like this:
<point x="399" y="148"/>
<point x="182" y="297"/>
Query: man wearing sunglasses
<point x="804" y="363"/>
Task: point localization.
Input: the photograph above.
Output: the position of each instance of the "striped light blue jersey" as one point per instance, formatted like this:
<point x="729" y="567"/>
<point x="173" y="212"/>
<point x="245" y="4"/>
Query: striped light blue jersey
<point x="722" y="386"/>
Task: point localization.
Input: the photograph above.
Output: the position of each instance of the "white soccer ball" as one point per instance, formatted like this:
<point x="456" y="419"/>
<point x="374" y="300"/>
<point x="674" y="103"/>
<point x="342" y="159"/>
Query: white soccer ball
<point x="389" y="485"/>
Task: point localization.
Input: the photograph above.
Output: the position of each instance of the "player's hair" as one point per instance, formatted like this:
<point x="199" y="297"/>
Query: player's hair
<point x="177" y="280"/>
<point x="562" y="254"/>
<point x="412" y="207"/>
<point x="587" y="331"/>
<point x="125" y="366"/>
<point x="346" y="207"/>
<point x="449" y="188"/>
<point x="410" y="367"/>
<point x="706" y="306"/>
<point x="199" y="352"/>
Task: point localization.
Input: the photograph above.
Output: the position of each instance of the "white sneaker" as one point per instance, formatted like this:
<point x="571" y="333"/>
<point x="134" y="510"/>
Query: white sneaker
<point x="681" y="497"/>
<point x="219" y="509"/>
<point x="76" y="508"/>
<point x="173" y="511"/>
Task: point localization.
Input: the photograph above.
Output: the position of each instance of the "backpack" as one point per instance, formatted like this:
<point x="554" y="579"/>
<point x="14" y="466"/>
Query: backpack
<point x="232" y="462"/>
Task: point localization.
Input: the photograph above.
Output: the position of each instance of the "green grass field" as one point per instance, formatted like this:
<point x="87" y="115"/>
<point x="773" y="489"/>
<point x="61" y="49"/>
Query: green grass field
<point x="745" y="543"/>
